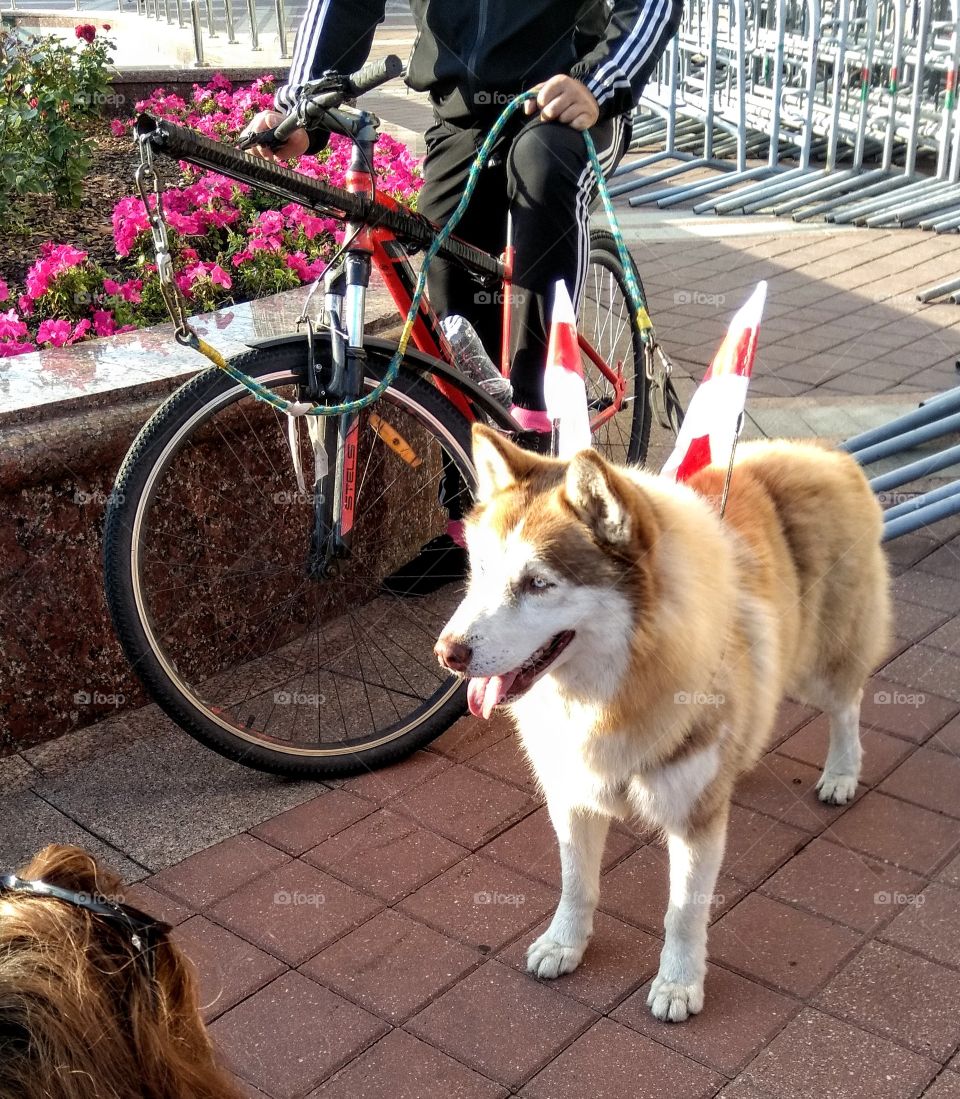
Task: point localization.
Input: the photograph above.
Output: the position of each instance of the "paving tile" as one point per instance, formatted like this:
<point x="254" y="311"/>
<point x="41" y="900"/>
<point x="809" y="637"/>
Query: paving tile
<point x="790" y="717"/>
<point x="739" y="1017"/>
<point x="504" y="1024"/>
<point x="785" y="789"/>
<point x="924" y="669"/>
<point x="507" y="760"/>
<point x="307" y="825"/>
<point x="791" y="950"/>
<point x="757" y="844"/>
<point x="289" y="1036"/>
<point x="392" y="965"/>
<point x="16" y="774"/>
<point x="67" y="754"/>
<point x="739" y="1089"/>
<point x="931" y="925"/>
<point x="398" y="1066"/>
<point x="907" y="999"/>
<point x="945" y="637"/>
<point x="618" y="959"/>
<point x="165" y="796"/>
<point x="946" y="1086"/>
<point x="531" y="847"/>
<point x="480" y="903"/>
<point x="229" y="968"/>
<point x="30" y="823"/>
<point x="818" y="1055"/>
<point x="940" y="592"/>
<point x="951" y="872"/>
<point x="881" y="751"/>
<point x="294" y="911"/>
<point x="464" y="805"/>
<point x="386" y="855"/>
<point x="209" y="876"/>
<point x="843" y="884"/>
<point x="944" y="561"/>
<point x="947" y="739"/>
<point x="382" y="785"/>
<point x="155" y="904"/>
<point x="897" y="832"/>
<point x="611" y="1062"/>
<point x="470" y="735"/>
<point x="638" y="888"/>
<point x="248" y="1090"/>
<point x="930" y="779"/>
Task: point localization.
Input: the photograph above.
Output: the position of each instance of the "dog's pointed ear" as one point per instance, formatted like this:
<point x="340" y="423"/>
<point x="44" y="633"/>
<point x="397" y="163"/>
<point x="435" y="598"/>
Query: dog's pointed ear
<point x="592" y="490"/>
<point x="498" y="462"/>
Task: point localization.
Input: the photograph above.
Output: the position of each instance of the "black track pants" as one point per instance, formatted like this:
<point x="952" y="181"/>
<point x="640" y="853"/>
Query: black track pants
<point x="540" y="173"/>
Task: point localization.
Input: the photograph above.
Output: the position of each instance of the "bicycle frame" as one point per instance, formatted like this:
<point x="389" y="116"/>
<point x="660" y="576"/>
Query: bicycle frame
<point x="376" y="228"/>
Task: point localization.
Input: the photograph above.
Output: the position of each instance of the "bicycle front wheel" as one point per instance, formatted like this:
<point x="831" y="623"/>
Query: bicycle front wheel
<point x="621" y="428"/>
<point x="207" y="549"/>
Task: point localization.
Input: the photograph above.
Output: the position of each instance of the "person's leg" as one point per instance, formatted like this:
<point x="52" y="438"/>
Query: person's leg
<point x="550" y="185"/>
<point x="451" y="150"/>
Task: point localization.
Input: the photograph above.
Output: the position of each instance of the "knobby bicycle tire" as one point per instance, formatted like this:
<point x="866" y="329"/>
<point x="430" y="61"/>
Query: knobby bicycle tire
<point x="160" y="642"/>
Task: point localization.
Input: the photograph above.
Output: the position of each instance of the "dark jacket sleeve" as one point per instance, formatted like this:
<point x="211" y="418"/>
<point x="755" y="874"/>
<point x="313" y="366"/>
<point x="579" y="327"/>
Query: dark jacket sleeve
<point x="617" y="69"/>
<point x="334" y="34"/>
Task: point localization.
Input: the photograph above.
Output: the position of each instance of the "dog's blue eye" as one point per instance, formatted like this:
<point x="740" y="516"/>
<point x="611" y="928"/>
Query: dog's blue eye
<point x="537" y="583"/>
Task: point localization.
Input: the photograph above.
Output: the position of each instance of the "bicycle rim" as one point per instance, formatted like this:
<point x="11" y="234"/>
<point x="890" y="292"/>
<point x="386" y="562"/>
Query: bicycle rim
<point x="606" y="320"/>
<point x="255" y="649"/>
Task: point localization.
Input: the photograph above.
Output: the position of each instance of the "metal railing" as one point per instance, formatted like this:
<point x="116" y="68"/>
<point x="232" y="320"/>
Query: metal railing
<point x="841" y="99"/>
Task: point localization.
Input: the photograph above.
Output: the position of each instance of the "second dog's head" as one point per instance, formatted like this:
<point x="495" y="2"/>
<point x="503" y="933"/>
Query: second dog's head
<point x="95" y="1004"/>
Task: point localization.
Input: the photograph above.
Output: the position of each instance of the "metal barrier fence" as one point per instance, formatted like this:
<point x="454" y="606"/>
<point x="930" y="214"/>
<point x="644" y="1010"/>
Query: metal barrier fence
<point x="843" y="101"/>
<point x="198" y="16"/>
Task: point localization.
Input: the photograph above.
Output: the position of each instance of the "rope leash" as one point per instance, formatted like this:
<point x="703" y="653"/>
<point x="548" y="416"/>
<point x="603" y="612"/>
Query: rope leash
<point x="187" y="335"/>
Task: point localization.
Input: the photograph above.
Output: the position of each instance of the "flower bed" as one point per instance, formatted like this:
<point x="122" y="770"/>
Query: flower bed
<point x="230" y="243"/>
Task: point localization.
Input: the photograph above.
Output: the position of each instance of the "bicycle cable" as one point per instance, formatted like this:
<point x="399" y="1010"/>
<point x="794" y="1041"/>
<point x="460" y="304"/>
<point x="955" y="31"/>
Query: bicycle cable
<point x="188" y="336"/>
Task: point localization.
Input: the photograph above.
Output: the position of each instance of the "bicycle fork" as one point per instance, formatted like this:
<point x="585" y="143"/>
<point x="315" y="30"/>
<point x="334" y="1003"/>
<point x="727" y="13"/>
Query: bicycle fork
<point x="345" y="293"/>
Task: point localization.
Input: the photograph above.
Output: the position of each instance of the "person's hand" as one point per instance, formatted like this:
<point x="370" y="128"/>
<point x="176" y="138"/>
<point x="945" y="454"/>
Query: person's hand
<point x="295" y="145"/>
<point x="564" y="99"/>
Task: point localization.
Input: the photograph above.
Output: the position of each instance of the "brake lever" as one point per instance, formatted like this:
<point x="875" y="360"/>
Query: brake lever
<point x="267" y="138"/>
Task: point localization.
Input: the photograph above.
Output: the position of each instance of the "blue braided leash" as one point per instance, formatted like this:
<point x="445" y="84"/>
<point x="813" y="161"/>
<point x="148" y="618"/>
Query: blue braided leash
<point x="644" y="324"/>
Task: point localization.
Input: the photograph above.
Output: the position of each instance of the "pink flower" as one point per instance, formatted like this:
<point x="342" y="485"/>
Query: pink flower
<point x="54" y="332"/>
<point x="110" y="287"/>
<point x="117" y="128"/>
<point x="4" y="291"/>
<point x="11" y="327"/>
<point x="86" y="31"/>
<point x="11" y="348"/>
<point x="130" y="291"/>
<point x="219" y="277"/>
<point x="25" y="305"/>
<point x="103" y="322"/>
<point x="54" y="260"/>
<point x="242" y="257"/>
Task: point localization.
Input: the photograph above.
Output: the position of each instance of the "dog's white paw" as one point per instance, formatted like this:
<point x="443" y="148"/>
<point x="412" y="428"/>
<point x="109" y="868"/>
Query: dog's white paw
<point x="548" y="958"/>
<point x="672" y="1001"/>
<point x="836" y="789"/>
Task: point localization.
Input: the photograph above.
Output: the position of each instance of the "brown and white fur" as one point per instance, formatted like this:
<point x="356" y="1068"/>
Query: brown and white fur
<point x="658" y="641"/>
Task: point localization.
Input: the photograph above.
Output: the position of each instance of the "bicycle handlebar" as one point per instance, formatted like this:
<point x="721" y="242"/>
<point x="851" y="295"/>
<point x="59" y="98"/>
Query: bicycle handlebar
<point x="332" y="90"/>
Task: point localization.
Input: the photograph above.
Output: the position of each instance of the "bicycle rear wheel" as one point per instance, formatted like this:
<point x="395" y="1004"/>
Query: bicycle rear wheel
<point x="607" y="322"/>
<point x="205" y="550"/>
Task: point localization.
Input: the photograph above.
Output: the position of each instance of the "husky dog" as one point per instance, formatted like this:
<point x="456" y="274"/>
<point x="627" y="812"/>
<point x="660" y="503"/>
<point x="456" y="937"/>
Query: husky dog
<point x="642" y="645"/>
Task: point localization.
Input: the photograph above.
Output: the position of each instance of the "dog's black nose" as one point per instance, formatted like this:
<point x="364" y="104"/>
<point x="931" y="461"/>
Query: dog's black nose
<point x="453" y="654"/>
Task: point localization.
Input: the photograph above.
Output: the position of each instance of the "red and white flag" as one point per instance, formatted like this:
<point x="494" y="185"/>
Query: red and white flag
<point x="564" y="390"/>
<point x="709" y="430"/>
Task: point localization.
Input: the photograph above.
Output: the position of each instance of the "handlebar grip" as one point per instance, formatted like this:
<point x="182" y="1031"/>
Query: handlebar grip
<point x="372" y="75"/>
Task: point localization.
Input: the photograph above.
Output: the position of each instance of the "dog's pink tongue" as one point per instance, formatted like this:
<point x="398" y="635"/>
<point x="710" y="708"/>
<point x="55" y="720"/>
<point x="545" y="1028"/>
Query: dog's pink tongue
<point x="486" y="692"/>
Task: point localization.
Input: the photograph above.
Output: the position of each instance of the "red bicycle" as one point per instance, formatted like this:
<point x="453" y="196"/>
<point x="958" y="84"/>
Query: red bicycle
<point x="245" y="559"/>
